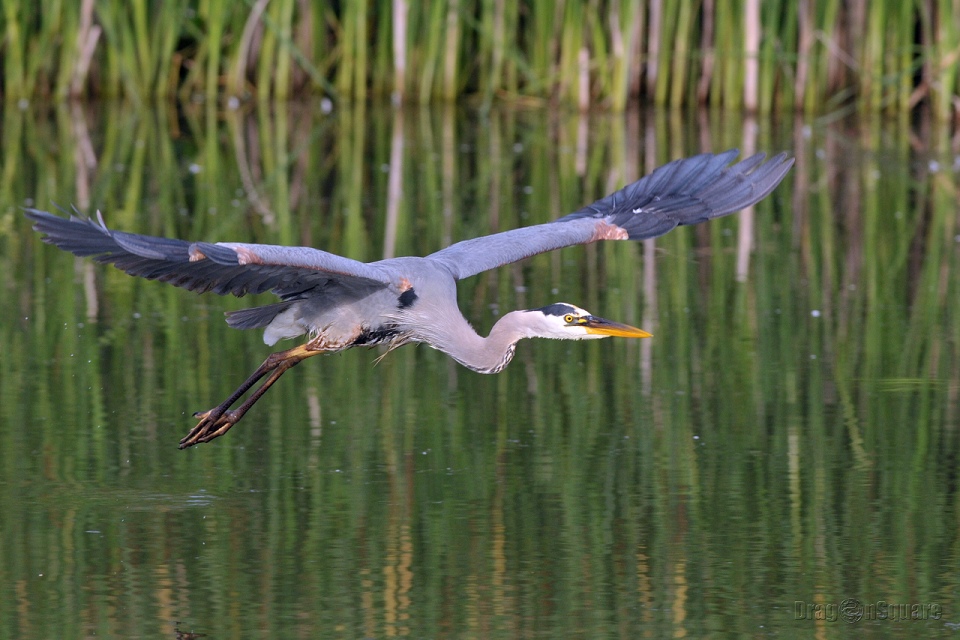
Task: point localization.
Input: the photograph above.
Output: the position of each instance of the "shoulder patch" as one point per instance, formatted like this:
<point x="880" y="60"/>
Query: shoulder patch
<point x="406" y="298"/>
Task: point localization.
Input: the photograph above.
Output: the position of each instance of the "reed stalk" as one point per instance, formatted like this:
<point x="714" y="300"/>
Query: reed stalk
<point x="731" y="42"/>
<point x="215" y="13"/>
<point x="825" y="58"/>
<point x="267" y="58"/>
<point x="901" y="52"/>
<point x="283" y="78"/>
<point x="812" y="56"/>
<point x="871" y="59"/>
<point x="751" y="84"/>
<point x="434" y="19"/>
<point x="946" y="58"/>
<point x="15" y="80"/>
<point x="668" y="35"/>
<point x="451" y="53"/>
<point x="399" y="24"/>
<point x="777" y="18"/>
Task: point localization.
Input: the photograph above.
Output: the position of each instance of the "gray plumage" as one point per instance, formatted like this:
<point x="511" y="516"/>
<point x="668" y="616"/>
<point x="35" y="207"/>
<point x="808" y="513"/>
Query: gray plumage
<point x="343" y="303"/>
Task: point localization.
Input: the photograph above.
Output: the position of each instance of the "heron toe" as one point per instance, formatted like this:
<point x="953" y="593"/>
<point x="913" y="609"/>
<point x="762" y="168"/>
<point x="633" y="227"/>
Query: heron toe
<point x="213" y="424"/>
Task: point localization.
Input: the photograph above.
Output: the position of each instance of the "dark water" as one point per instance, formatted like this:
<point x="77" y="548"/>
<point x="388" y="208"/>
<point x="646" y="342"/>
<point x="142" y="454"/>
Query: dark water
<point x="786" y="444"/>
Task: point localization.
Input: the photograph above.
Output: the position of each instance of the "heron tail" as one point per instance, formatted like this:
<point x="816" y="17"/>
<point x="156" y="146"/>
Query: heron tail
<point x="257" y="317"/>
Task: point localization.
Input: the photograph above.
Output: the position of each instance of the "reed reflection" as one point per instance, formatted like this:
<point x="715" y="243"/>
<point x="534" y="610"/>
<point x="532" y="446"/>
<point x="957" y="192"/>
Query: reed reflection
<point x="781" y="439"/>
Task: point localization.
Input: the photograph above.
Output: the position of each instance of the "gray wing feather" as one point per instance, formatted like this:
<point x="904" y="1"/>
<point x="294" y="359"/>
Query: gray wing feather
<point x="683" y="192"/>
<point x="223" y="268"/>
<point x="470" y="257"/>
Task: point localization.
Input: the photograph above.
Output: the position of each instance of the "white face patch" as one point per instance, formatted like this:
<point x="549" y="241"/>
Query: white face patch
<point x="560" y="321"/>
<point x="564" y="321"/>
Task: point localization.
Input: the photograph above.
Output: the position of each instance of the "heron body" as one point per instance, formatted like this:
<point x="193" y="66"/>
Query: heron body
<point x="340" y="303"/>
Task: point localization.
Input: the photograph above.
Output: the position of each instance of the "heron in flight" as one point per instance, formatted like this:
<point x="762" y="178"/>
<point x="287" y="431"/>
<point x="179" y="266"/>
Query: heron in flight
<point x="341" y="303"/>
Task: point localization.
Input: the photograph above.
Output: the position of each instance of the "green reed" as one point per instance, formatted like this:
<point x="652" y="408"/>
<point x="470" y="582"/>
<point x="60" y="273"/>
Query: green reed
<point x="812" y="55"/>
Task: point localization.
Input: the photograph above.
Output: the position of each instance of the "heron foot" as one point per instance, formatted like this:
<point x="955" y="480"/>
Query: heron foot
<point x="213" y="424"/>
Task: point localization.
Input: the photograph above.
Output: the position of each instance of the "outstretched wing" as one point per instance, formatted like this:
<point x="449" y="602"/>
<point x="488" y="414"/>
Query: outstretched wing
<point x="224" y="267"/>
<point x="682" y="192"/>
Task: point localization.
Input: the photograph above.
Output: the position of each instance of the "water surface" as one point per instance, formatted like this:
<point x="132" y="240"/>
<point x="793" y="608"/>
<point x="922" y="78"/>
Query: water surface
<point x="785" y="443"/>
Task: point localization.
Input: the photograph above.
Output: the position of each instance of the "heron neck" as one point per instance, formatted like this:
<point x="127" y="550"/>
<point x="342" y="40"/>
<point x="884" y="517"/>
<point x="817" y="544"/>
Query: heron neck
<point x="490" y="354"/>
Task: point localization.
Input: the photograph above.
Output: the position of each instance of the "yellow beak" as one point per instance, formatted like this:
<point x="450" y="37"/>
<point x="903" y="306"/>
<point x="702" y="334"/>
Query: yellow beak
<point x="603" y="327"/>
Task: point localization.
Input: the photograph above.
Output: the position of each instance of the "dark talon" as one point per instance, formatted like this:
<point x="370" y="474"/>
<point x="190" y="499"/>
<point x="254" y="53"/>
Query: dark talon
<point x="213" y="424"/>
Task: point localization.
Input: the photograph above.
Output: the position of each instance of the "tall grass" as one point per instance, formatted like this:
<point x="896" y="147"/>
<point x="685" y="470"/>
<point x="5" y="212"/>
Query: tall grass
<point x="885" y="55"/>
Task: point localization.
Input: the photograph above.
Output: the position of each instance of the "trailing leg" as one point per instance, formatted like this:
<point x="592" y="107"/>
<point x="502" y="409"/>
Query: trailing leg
<point x="217" y="421"/>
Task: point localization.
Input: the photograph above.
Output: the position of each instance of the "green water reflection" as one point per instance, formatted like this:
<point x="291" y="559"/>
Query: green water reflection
<point x="788" y="436"/>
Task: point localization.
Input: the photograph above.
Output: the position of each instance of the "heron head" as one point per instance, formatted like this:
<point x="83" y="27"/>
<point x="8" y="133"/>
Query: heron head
<point x="568" y="322"/>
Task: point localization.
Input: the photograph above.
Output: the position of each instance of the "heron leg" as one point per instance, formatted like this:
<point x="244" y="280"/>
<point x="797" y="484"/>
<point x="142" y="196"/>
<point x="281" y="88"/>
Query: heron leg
<point x="217" y="421"/>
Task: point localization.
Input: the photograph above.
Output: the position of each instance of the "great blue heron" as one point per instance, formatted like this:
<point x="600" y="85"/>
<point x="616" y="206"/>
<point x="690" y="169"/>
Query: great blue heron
<point x="342" y="303"/>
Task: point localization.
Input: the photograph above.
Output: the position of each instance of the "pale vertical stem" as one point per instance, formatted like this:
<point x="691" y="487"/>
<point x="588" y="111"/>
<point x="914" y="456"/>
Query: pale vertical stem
<point x="635" y="64"/>
<point x="316" y="423"/>
<point x="800" y="176"/>
<point x="499" y="45"/>
<point x="706" y="45"/>
<point x="85" y="158"/>
<point x="617" y="51"/>
<point x="90" y="291"/>
<point x="303" y="39"/>
<point x="235" y="78"/>
<point x="235" y="123"/>
<point x="631" y="171"/>
<point x="580" y="157"/>
<point x="752" y="50"/>
<point x="494" y="157"/>
<point x="649" y="313"/>
<point x="85" y="162"/>
<point x="653" y="50"/>
<point x="794" y="458"/>
<point x="678" y="604"/>
<point x="400" y="10"/>
<point x="745" y="240"/>
<point x="448" y="144"/>
<point x="680" y="64"/>
<point x="649" y="276"/>
<point x="620" y="87"/>
<point x="87" y="38"/>
<point x="805" y="48"/>
<point x="450" y="51"/>
<point x="361" y="50"/>
<point x="394" y="186"/>
<point x="583" y="68"/>
<point x="703" y="120"/>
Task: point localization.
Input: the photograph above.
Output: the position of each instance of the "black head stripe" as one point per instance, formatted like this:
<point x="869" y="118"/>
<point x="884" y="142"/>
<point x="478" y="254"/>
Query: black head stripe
<point x="556" y="309"/>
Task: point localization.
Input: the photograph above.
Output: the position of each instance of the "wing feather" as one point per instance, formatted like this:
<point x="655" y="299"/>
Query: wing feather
<point x="224" y="268"/>
<point x="683" y="192"/>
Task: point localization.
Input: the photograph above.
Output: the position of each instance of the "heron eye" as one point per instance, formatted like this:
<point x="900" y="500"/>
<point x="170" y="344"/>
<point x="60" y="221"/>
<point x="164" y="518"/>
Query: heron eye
<point x="568" y="318"/>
